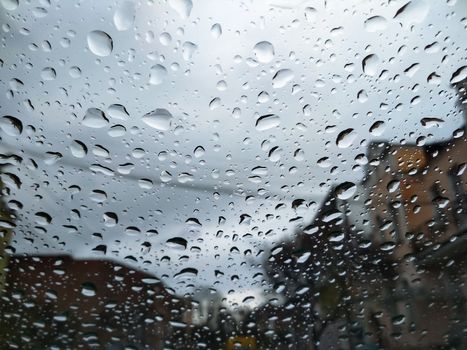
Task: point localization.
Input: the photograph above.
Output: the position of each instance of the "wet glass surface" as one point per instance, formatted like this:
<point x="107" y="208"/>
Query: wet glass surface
<point x="268" y="174"/>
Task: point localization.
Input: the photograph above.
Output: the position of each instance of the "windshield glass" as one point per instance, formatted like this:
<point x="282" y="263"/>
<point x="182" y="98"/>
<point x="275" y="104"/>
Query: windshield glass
<point x="257" y="174"/>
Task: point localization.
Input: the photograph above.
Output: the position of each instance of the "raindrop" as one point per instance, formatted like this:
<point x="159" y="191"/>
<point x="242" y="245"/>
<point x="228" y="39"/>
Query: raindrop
<point x="165" y="38"/>
<point x="100" y="43"/>
<point x="267" y="122"/>
<point x="98" y="196"/>
<point x="110" y="219"/>
<point x="345" y="190"/>
<point x="177" y="242"/>
<point x="413" y="12"/>
<point x="281" y="78"/>
<point x="393" y="186"/>
<point x="188" y="49"/>
<point x="375" y="24"/>
<point x="429" y="122"/>
<point x="188" y="272"/>
<point x="310" y="14"/>
<point x="117" y="111"/>
<point x="159" y="119"/>
<point x="42" y="218"/>
<point x="216" y="30"/>
<point x="157" y="75"/>
<point x="11" y="125"/>
<point x="48" y="73"/>
<point x="95" y="118"/>
<point x="199" y="152"/>
<point x="378" y="128"/>
<point x="78" y="149"/>
<point x="398" y="320"/>
<point x="75" y="72"/>
<point x="88" y="289"/>
<point x="370" y="64"/>
<point x="459" y="75"/>
<point x="336" y="237"/>
<point x="264" y="51"/>
<point x="275" y="154"/>
<point x="165" y="176"/>
<point x="124" y="16"/>
<point x="10" y="5"/>
<point x="182" y="7"/>
<point x="346" y="138"/>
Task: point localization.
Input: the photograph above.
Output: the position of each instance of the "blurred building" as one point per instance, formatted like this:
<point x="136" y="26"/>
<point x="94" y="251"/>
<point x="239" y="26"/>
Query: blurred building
<point x="384" y="267"/>
<point x="57" y="301"/>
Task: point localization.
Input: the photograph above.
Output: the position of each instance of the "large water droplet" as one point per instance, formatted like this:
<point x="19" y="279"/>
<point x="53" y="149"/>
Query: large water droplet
<point x="78" y="149"/>
<point x="216" y="30"/>
<point x="48" y="73"/>
<point x="124" y="16"/>
<point x="177" y="242"/>
<point x="100" y="43"/>
<point x="459" y="75"/>
<point x="264" y="51"/>
<point x="11" y="125"/>
<point x="275" y="154"/>
<point x="188" y="272"/>
<point x="188" y="49"/>
<point x="42" y="218"/>
<point x="165" y="176"/>
<point x="118" y="111"/>
<point x="159" y="119"/>
<point x="375" y="24"/>
<point x="157" y="74"/>
<point x="267" y="122"/>
<point x="370" y="65"/>
<point x="199" y="152"/>
<point x="281" y="78"/>
<point x="183" y="7"/>
<point x="346" y="138"/>
<point x="10" y="5"/>
<point x="95" y="118"/>
<point x="345" y="190"/>
<point x="413" y="12"/>
<point x="378" y="127"/>
<point x="88" y="289"/>
<point x="429" y="122"/>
